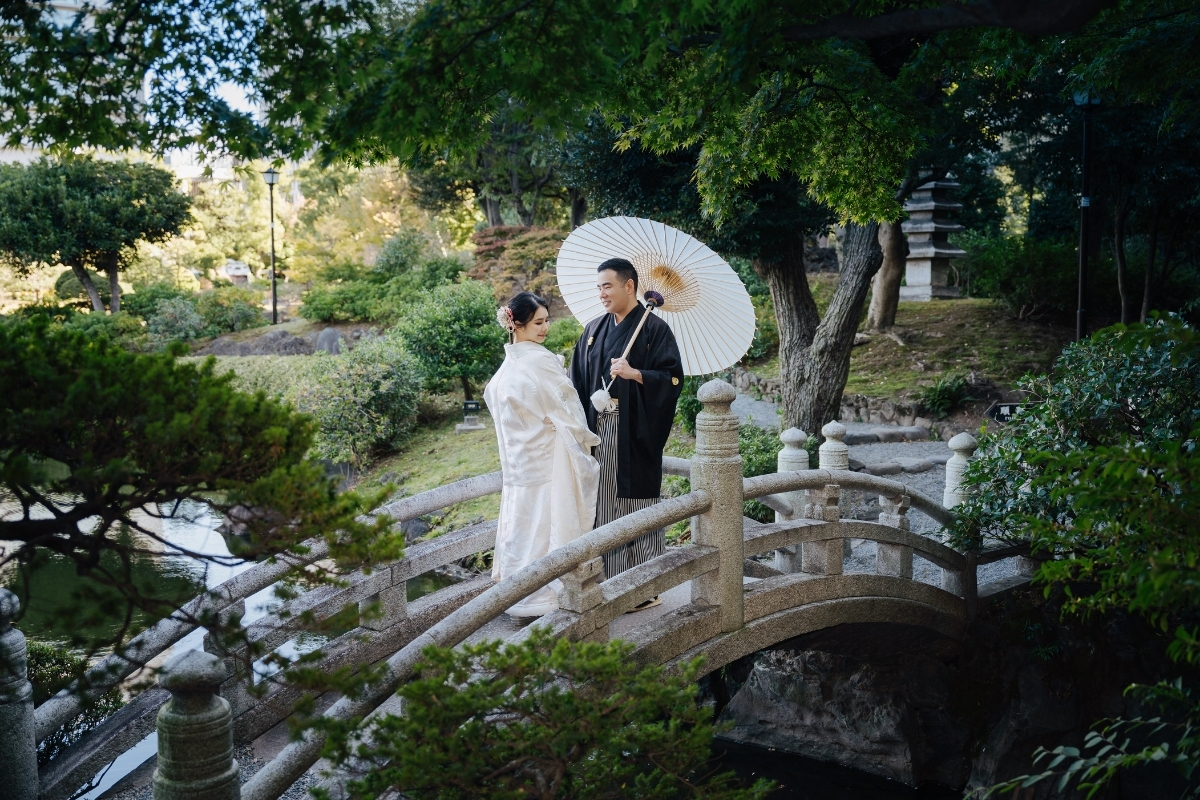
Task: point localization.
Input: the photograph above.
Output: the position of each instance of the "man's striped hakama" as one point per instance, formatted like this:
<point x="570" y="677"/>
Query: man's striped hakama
<point x="609" y="507"/>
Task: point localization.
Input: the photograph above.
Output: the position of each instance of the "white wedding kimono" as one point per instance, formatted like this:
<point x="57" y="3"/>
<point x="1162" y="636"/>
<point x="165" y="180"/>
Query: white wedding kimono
<point x="550" y="477"/>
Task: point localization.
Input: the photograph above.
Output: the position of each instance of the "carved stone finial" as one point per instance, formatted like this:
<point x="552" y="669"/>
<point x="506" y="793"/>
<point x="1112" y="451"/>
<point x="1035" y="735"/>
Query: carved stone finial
<point x="834" y="453"/>
<point x="192" y="671"/>
<point x="963" y="444"/>
<point x="716" y="392"/>
<point x="793" y="439"/>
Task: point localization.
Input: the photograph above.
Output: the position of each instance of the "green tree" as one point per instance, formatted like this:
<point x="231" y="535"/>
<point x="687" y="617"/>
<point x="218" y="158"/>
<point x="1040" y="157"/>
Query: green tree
<point x="94" y="438"/>
<point x="453" y="334"/>
<point x="85" y="214"/>
<point x="546" y="718"/>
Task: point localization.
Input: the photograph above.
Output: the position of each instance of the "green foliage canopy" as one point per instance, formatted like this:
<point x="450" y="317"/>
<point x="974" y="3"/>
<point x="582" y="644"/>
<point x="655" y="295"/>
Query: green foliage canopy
<point x="85" y="213"/>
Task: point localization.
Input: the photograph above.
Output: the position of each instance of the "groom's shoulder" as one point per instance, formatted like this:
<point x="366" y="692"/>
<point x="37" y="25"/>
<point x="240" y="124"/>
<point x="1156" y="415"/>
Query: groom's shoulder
<point x="659" y="326"/>
<point x="590" y="329"/>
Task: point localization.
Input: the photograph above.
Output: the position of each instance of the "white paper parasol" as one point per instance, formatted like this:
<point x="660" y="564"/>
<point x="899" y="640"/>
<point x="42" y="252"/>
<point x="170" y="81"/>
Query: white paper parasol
<point x="706" y="304"/>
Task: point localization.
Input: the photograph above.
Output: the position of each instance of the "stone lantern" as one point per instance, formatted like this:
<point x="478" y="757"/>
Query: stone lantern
<point x="927" y="268"/>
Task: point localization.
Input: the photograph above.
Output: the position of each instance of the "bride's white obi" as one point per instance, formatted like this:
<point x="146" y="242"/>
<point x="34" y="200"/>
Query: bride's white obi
<point x="550" y="477"/>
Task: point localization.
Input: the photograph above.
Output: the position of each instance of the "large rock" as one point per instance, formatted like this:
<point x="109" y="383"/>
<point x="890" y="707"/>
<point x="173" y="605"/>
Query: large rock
<point x="899" y="701"/>
<point x="280" y="343"/>
<point x="330" y="341"/>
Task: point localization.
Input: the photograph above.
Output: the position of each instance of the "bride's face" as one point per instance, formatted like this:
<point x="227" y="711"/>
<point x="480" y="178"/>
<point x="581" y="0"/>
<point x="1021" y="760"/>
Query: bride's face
<point x="536" y="329"/>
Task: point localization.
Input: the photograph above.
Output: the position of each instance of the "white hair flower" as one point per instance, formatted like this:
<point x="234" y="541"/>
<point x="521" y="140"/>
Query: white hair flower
<point x="504" y="318"/>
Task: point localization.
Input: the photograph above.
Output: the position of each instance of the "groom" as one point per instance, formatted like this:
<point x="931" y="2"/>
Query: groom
<point x="645" y="386"/>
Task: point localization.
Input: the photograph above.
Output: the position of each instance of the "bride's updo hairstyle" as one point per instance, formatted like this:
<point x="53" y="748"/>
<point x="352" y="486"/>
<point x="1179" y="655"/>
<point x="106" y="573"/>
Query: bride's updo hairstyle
<point x="519" y="310"/>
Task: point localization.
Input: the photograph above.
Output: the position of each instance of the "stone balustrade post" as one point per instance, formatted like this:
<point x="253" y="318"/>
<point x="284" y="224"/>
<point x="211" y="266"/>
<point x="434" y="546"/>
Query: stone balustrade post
<point x="826" y="557"/>
<point x="581" y="592"/>
<point x="963" y="445"/>
<point x="18" y="743"/>
<point x="792" y="458"/>
<point x="195" y="732"/>
<point x="965" y="583"/>
<point x="238" y="678"/>
<point x="387" y="607"/>
<point x="894" y="559"/>
<point x="717" y="469"/>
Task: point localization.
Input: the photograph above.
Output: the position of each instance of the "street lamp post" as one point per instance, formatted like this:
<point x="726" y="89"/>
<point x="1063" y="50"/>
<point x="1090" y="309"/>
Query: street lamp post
<point x="1087" y="102"/>
<point x="271" y="176"/>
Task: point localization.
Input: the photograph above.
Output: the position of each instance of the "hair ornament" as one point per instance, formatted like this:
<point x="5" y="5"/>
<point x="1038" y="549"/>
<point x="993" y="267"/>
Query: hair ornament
<point x="504" y="318"/>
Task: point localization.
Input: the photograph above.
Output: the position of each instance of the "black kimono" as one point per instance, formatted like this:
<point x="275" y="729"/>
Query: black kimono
<point x="646" y="409"/>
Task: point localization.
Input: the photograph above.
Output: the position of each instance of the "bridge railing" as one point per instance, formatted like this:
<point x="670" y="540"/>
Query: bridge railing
<point x="808" y="537"/>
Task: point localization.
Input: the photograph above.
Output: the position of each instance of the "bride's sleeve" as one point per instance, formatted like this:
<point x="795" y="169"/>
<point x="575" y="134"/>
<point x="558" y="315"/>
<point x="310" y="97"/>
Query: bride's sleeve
<point x="562" y="404"/>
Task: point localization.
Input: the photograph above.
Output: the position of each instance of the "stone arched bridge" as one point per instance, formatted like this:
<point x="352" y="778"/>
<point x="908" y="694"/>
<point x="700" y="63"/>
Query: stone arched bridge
<point x="721" y="604"/>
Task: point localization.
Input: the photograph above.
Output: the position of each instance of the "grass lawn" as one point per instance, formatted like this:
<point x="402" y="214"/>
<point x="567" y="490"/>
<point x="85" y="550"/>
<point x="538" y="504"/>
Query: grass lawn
<point x="436" y="456"/>
<point x="947" y="337"/>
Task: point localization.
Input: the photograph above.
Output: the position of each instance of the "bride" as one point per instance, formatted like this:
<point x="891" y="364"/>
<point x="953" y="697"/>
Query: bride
<point x="550" y="477"/>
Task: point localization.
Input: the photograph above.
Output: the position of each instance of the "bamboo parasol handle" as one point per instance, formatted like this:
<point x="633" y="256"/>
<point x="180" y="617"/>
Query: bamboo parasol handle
<point x="633" y="338"/>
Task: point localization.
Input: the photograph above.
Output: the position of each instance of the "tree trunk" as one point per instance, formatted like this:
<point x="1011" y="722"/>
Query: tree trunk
<point x="1148" y="285"/>
<point x="1119" y="219"/>
<point x="466" y="384"/>
<point x="827" y="364"/>
<point x="491" y="210"/>
<point x="114" y="288"/>
<point x="578" y="207"/>
<point x="88" y="285"/>
<point x="524" y="214"/>
<point x="795" y="314"/>
<point x="885" y="286"/>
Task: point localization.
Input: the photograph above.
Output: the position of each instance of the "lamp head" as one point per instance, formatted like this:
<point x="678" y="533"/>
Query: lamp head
<point x="1087" y="98"/>
<point x="271" y="176"/>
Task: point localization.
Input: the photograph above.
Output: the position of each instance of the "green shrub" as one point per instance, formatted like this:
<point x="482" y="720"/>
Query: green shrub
<point x="454" y="334"/>
<point x="1029" y="277"/>
<point x="563" y="335"/>
<point x="281" y="377"/>
<point x="52" y="668"/>
<point x="230" y="308"/>
<point x="945" y="395"/>
<point x="689" y="405"/>
<point x="47" y="308"/>
<point x="119" y="328"/>
<point x="759" y="448"/>
<point x="400" y="254"/>
<point x="1107" y="486"/>
<point x="365" y="402"/>
<point x="144" y="300"/>
<point x="766" y="330"/>
<point x="68" y="287"/>
<point x="439" y="270"/>
<point x="1136" y="385"/>
<point x="352" y="301"/>
<point x="500" y="721"/>
<point x="174" y="319"/>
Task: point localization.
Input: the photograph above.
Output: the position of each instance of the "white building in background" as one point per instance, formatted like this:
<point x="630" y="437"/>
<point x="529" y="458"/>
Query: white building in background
<point x="238" y="272"/>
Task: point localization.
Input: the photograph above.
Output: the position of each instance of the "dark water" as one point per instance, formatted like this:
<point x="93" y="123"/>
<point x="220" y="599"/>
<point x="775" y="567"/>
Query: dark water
<point x="425" y="584"/>
<point x="799" y="778"/>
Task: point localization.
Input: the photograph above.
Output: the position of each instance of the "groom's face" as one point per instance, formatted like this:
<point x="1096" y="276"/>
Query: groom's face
<point x="616" y="296"/>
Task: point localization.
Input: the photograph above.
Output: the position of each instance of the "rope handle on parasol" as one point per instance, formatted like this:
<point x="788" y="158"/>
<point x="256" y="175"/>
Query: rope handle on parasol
<point x="653" y="300"/>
